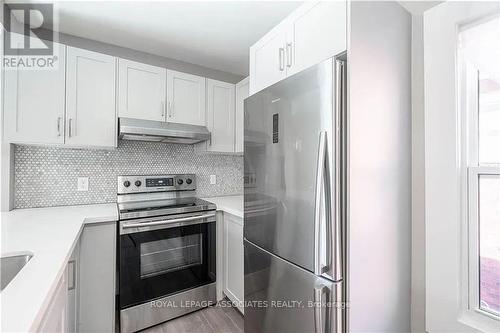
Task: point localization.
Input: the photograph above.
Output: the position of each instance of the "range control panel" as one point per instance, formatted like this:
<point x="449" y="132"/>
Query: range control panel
<point x="156" y="183"/>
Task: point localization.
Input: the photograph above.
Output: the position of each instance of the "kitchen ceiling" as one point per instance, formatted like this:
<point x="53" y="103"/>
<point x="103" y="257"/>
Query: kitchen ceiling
<point x="214" y="34"/>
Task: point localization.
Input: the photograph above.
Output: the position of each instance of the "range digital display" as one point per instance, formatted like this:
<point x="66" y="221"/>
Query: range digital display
<point x="159" y="182"/>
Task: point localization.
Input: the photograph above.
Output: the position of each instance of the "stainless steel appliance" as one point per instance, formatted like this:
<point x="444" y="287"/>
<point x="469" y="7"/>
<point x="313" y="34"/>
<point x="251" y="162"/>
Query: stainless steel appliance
<point x="166" y="251"/>
<point x="295" y="203"/>
<point x="160" y="131"/>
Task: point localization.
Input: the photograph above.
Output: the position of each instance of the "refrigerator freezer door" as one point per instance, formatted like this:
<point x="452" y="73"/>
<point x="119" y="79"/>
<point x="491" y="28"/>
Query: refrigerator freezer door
<point x="286" y="128"/>
<point x="281" y="297"/>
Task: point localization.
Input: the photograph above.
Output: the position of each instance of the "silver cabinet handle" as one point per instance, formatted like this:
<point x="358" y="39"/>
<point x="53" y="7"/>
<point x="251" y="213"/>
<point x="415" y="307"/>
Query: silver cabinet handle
<point x="59" y="126"/>
<point x="71" y="275"/>
<point x="70" y="127"/>
<point x="322" y="208"/>
<point x="171" y="108"/>
<point x="156" y="223"/>
<point x="289" y="55"/>
<point x="163" y="110"/>
<point x="281" y="59"/>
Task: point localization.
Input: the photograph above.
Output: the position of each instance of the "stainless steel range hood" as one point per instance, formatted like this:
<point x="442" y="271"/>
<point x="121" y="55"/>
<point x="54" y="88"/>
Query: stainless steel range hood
<point x="159" y="131"/>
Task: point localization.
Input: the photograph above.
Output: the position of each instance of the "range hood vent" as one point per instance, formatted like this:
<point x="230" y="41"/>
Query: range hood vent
<point x="159" y="131"/>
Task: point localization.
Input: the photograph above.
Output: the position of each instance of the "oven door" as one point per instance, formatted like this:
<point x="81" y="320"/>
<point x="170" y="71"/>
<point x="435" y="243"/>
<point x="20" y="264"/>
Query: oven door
<point x="163" y="256"/>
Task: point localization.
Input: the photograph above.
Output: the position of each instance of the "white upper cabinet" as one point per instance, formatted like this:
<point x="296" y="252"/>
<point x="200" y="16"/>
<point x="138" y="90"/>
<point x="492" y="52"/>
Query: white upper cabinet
<point x="220" y="113"/>
<point x="90" y="98"/>
<point x="34" y="103"/>
<point x="312" y="33"/>
<point x="318" y="31"/>
<point x="186" y="102"/>
<point x="267" y="59"/>
<point x="242" y="91"/>
<point x="141" y="91"/>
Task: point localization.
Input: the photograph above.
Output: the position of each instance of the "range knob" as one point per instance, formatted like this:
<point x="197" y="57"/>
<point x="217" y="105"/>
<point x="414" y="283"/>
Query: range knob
<point x="138" y="183"/>
<point x="189" y="181"/>
<point x="180" y="181"/>
<point x="126" y="183"/>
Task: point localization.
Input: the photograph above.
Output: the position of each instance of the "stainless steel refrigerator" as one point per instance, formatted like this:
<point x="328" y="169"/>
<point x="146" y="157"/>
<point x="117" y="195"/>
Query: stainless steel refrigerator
<point x="295" y="193"/>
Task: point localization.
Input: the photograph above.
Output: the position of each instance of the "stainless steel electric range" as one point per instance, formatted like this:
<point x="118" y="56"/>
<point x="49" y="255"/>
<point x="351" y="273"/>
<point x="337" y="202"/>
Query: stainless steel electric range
<point x="166" y="249"/>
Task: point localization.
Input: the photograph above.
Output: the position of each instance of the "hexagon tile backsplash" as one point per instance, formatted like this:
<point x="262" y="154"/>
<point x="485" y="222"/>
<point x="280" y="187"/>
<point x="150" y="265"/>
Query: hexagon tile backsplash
<point x="47" y="176"/>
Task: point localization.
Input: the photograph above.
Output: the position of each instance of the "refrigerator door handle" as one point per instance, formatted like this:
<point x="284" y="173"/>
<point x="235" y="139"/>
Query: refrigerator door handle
<point x="335" y="272"/>
<point x="322" y="211"/>
<point x="330" y="214"/>
<point x="322" y="325"/>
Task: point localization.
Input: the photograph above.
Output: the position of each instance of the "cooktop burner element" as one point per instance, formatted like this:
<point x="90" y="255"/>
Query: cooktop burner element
<point x="147" y="196"/>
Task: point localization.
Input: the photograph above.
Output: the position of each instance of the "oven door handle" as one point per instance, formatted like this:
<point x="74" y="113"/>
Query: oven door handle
<point x="182" y="219"/>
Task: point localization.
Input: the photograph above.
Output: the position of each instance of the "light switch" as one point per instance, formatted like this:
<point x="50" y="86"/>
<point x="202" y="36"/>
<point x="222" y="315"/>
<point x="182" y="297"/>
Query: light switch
<point x="83" y="184"/>
<point x="213" y="179"/>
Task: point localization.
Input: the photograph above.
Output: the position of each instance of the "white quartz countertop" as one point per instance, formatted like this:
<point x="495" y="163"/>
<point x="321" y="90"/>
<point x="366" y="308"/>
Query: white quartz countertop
<point x="50" y="234"/>
<point x="231" y="204"/>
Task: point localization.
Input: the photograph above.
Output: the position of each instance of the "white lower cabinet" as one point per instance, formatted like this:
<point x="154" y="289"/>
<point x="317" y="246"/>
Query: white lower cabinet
<point x="72" y="286"/>
<point x="96" y="306"/>
<point x="233" y="259"/>
<point x="84" y="299"/>
<point x="55" y="318"/>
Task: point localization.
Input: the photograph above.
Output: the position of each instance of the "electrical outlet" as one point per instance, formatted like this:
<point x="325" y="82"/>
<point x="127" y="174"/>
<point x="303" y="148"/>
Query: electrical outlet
<point x="213" y="179"/>
<point x="83" y="184"/>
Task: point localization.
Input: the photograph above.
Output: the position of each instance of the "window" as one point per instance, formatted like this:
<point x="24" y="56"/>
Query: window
<point x="479" y="54"/>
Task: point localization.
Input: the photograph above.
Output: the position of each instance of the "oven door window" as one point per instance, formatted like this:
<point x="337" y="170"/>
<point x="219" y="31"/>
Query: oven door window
<point x="169" y="255"/>
<point x="158" y="263"/>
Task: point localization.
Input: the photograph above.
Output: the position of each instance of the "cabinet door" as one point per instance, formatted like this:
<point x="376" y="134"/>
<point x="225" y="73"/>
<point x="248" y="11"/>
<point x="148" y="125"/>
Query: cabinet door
<point x="185" y="98"/>
<point x="267" y="59"/>
<point x="141" y="91"/>
<point x="233" y="263"/>
<point x="34" y="103"/>
<point x="317" y="32"/>
<point x="96" y="304"/>
<point x="54" y="319"/>
<point x="72" y="285"/>
<point x="242" y="91"/>
<point x="220" y="111"/>
<point x="90" y="98"/>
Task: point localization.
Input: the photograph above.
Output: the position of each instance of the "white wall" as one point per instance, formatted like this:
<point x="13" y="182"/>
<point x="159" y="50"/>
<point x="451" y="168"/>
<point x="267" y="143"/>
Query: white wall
<point x="380" y="167"/>
<point x="6" y="150"/>
<point x="418" y="179"/>
<point x="137" y="55"/>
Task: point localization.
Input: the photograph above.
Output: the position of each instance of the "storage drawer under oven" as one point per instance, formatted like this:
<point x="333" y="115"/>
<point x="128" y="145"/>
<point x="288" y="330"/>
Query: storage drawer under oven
<point x="158" y="259"/>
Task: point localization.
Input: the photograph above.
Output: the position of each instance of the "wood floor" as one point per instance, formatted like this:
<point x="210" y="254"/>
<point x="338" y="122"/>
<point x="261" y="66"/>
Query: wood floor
<point x="214" y="319"/>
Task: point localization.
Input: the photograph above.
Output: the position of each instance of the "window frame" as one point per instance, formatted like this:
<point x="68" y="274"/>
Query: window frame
<point x="474" y="173"/>
<point x="472" y="170"/>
